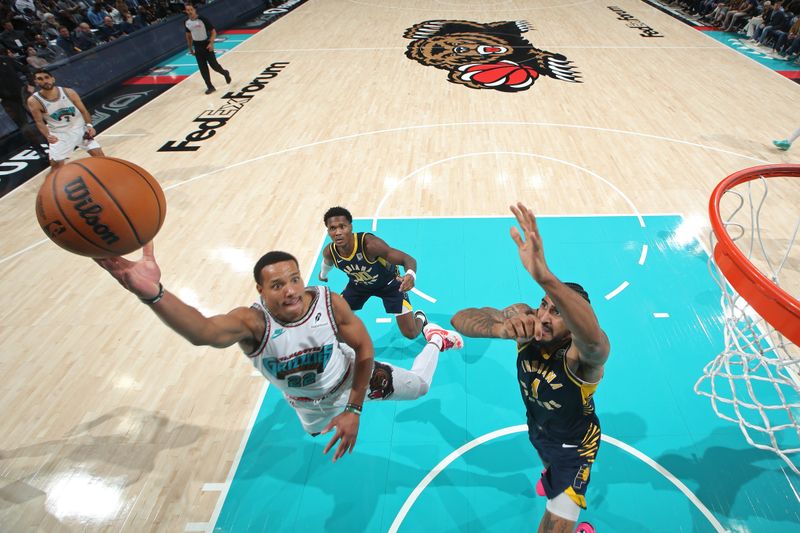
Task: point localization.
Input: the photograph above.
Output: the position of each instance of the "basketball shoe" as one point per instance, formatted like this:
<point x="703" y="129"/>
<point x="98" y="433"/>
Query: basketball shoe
<point x="585" y="527"/>
<point x="782" y="145"/>
<point x="445" y="339"/>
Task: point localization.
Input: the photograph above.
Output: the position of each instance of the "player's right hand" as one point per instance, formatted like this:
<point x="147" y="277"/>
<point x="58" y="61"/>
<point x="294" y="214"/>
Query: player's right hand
<point x="141" y="277"/>
<point x="52" y="139"/>
<point x="522" y="328"/>
<point x="191" y="51"/>
<point x="346" y="425"/>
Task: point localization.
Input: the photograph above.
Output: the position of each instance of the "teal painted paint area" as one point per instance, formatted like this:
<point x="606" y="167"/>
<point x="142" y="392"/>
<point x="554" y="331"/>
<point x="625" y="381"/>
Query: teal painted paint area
<point x="645" y="400"/>
<point x="760" y="54"/>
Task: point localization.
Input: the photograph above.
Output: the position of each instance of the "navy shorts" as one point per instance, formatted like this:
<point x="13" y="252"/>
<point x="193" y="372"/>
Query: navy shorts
<point x="394" y="301"/>
<point x="569" y="464"/>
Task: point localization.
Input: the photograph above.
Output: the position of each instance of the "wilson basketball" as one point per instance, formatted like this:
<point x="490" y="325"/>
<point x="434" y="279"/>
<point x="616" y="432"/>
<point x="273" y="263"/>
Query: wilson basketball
<point x="100" y="207"/>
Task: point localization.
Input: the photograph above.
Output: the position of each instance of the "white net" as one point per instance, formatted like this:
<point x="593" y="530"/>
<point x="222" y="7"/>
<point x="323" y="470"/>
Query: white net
<point x="754" y="381"/>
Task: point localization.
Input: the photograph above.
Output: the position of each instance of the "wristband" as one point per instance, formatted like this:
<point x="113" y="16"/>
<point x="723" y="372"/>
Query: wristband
<point x="413" y="274"/>
<point x="89" y="125"/>
<point x="324" y="269"/>
<point x="352" y="408"/>
<point x="156" y="298"/>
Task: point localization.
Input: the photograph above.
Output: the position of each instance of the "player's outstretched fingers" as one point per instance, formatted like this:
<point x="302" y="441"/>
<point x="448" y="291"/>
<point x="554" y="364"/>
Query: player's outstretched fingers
<point x="336" y="437"/>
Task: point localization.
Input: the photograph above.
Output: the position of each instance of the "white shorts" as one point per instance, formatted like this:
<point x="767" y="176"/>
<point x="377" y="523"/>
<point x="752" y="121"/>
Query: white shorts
<point x="68" y="141"/>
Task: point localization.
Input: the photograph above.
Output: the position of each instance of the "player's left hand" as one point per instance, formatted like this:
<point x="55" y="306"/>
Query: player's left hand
<point x="531" y="250"/>
<point x="346" y="425"/>
<point x="210" y="47"/>
<point x="406" y="283"/>
<point x="90" y="133"/>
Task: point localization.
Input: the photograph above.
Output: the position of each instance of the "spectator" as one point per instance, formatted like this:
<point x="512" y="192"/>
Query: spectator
<point x="84" y="37"/>
<point x="50" y="26"/>
<point x="111" y="11"/>
<point x="12" y="74"/>
<point x="65" y="18"/>
<point x="779" y="21"/>
<point x="66" y="42"/>
<point x="95" y="14"/>
<point x="46" y="50"/>
<point x="109" y="31"/>
<point x="22" y="5"/>
<point x="129" y="25"/>
<point x="13" y="39"/>
<point x="34" y="61"/>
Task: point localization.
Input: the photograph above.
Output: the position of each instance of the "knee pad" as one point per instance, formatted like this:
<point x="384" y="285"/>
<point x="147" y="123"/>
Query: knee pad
<point x="564" y="507"/>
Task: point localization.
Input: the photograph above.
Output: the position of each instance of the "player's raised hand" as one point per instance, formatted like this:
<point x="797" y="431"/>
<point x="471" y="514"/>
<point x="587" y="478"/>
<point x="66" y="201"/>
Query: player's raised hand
<point x="346" y="425"/>
<point x="531" y="250"/>
<point x="141" y="277"/>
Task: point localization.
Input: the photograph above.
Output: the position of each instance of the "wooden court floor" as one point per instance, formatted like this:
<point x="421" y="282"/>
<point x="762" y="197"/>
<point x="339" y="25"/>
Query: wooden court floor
<point x="109" y="421"/>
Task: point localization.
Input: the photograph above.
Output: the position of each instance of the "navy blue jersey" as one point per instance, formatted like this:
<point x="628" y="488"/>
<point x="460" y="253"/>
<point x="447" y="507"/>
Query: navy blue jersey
<point x="361" y="271"/>
<point x="558" y="403"/>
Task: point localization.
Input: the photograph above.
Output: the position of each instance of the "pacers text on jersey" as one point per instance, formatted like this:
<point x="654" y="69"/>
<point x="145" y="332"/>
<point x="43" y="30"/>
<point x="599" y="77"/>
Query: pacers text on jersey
<point x="208" y="122"/>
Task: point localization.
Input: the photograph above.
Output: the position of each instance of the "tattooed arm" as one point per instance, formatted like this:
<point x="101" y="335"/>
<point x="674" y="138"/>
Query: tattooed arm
<point x="518" y="322"/>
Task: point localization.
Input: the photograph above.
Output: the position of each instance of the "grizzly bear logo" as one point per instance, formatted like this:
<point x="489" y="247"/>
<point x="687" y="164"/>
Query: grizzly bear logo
<point x="486" y="56"/>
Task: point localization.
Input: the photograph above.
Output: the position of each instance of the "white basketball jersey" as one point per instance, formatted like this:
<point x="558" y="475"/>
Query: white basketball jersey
<point x="303" y="358"/>
<point x="60" y="114"/>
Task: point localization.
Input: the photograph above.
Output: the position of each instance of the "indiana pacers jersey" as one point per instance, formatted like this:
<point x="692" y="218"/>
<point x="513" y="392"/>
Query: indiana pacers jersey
<point x="60" y="114"/>
<point x="558" y="403"/>
<point x="303" y="358"/>
<point x="361" y="271"/>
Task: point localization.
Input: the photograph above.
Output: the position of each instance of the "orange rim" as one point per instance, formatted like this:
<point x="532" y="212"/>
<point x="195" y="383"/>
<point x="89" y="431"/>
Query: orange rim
<point x="771" y="302"/>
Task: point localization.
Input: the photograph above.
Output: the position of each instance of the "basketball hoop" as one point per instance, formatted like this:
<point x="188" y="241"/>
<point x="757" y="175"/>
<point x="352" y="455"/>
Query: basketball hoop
<point x="754" y="381"/>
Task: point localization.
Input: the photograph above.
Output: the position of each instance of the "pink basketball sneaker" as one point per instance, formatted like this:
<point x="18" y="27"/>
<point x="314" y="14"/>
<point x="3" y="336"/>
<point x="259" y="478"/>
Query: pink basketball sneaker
<point x="585" y="527"/>
<point x="449" y="339"/>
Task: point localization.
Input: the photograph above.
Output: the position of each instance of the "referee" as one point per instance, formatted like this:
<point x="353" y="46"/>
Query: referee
<point x="201" y="33"/>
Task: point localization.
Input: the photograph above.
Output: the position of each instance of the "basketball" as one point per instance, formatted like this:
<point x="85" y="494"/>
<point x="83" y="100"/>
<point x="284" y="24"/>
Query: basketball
<point x="100" y="207"/>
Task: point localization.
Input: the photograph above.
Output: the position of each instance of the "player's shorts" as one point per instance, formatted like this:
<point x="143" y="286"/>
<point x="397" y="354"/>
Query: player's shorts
<point x="387" y="382"/>
<point x="568" y="464"/>
<point x="68" y="141"/>
<point x="394" y="301"/>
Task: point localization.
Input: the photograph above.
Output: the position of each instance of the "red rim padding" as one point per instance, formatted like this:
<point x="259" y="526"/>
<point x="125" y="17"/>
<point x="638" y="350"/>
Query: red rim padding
<point x="770" y="301"/>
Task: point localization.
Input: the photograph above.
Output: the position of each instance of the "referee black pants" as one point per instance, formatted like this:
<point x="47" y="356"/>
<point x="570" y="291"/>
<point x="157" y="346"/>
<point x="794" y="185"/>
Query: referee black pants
<point x="206" y="59"/>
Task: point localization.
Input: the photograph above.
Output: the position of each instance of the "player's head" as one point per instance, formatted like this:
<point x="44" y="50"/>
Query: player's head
<point x="339" y="222"/>
<point x="280" y="285"/>
<point x="44" y="79"/>
<point x="553" y="326"/>
<point x="190" y="10"/>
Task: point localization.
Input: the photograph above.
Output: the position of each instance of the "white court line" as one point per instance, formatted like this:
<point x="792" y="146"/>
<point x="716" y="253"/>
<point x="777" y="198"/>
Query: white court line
<point x="466" y="9"/>
<point x="196" y="526"/>
<point x="420" y="127"/>
<point x="213" y="487"/>
<point x="212" y="523"/>
<point x="444" y="463"/>
<point x="507" y="216"/>
<point x="31" y="247"/>
<point x="622" y="287"/>
<point x="790" y="484"/>
<point x="383" y="320"/>
<point x="424" y="296"/>
<point x="644" y="254"/>
<point x="660" y="315"/>
<point x="397" y="184"/>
